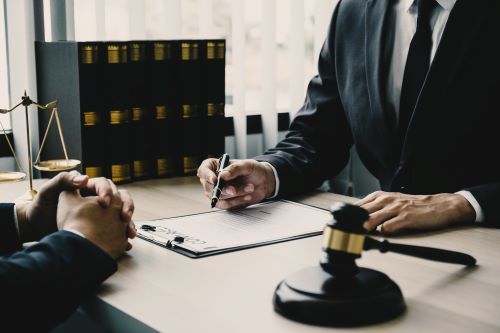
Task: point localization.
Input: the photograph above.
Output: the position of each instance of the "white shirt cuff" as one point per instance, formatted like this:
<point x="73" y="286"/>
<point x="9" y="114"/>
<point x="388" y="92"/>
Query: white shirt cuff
<point x="470" y="198"/>
<point x="16" y="222"/>
<point x="276" y="181"/>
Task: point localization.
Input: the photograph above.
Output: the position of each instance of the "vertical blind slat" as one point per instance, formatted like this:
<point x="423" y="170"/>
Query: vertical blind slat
<point x="206" y="19"/>
<point x="173" y="19"/>
<point x="70" y="20"/>
<point x="297" y="55"/>
<point x="136" y="19"/>
<point x="269" y="115"/>
<point x="238" y="67"/>
<point x="20" y="37"/>
<point x="100" y="19"/>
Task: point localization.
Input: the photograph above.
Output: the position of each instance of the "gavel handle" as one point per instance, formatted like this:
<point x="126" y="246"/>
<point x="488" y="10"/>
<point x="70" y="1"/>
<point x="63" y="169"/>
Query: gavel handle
<point x="429" y="253"/>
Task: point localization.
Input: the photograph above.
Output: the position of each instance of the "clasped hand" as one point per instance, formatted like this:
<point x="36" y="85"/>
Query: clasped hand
<point x="91" y="207"/>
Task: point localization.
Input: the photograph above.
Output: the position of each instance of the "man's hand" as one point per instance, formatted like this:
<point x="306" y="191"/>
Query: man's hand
<point x="37" y="218"/>
<point x="103" y="226"/>
<point x="248" y="182"/>
<point x="397" y="212"/>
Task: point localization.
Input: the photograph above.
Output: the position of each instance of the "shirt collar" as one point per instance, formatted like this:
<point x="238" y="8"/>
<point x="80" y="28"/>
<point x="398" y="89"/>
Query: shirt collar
<point x="409" y="5"/>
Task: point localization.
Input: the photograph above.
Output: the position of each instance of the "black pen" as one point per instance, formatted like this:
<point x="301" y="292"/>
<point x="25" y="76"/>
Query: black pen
<point x="216" y="192"/>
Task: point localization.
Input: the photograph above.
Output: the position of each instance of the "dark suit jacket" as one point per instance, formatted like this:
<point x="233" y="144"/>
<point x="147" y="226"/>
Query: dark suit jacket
<point x="453" y="138"/>
<point x="43" y="284"/>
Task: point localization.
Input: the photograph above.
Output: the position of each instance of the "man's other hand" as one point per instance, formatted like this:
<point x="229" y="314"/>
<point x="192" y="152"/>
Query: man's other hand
<point x="396" y="212"/>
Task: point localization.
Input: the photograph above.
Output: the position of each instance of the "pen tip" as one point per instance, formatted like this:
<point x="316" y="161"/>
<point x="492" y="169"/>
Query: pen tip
<point x="213" y="203"/>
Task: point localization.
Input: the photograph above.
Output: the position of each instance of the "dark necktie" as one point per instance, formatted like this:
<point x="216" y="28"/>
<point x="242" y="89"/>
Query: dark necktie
<point x="417" y="66"/>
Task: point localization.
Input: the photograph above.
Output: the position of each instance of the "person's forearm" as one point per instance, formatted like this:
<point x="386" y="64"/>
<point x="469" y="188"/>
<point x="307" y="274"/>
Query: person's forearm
<point x="61" y="269"/>
<point x="9" y="236"/>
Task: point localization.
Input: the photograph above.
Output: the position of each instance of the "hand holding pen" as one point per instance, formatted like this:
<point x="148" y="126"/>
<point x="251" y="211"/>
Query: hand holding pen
<point x="219" y="185"/>
<point x="245" y="182"/>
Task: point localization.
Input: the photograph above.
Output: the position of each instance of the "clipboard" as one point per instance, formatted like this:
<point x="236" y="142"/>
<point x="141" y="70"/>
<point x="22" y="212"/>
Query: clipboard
<point x="254" y="226"/>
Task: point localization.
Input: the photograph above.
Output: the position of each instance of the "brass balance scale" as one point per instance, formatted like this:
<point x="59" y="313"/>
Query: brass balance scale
<point x="49" y="165"/>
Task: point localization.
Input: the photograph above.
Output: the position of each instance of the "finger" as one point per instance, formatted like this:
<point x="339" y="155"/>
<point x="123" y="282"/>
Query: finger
<point x="131" y="230"/>
<point x="235" y="203"/>
<point x="394" y="225"/>
<point x="102" y="188"/>
<point x="377" y="218"/>
<point x="129" y="247"/>
<point x="233" y="191"/>
<point x="128" y="205"/>
<point x="207" y="187"/>
<point x="207" y="170"/>
<point x="369" y="198"/>
<point x="237" y="169"/>
<point x="64" y="181"/>
<point x="372" y="207"/>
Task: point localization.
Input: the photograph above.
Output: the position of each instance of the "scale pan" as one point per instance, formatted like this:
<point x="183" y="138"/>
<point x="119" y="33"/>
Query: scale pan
<point x="11" y="176"/>
<point x="57" y="165"/>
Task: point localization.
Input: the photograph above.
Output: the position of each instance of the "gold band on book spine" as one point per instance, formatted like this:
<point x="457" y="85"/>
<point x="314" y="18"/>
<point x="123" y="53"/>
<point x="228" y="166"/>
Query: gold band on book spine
<point x="91" y="118"/>
<point x="190" y="111"/>
<point x="161" y="112"/>
<point x="137" y="52"/>
<point x="190" y="51"/>
<point x="118" y="117"/>
<point x="120" y="172"/>
<point x="113" y="54"/>
<point x="162" y="51"/>
<point x="210" y="50"/>
<point x="94" y="172"/>
<point x="215" y="109"/>
<point x="117" y="53"/>
<point x="141" y="168"/>
<point x="190" y="164"/>
<point x="220" y="53"/>
<point x="137" y="114"/>
<point x="164" y="167"/>
<point x="89" y="54"/>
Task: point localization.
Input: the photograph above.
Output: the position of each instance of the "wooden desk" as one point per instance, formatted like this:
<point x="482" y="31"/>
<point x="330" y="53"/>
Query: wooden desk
<point x="157" y="289"/>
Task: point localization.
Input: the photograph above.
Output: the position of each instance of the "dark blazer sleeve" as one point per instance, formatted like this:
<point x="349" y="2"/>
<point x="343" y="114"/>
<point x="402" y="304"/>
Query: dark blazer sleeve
<point x="9" y="237"/>
<point x="43" y="284"/>
<point x="318" y="142"/>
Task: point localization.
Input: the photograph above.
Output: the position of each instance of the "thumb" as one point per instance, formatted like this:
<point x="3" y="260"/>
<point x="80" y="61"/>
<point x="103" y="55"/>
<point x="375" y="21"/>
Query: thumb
<point x="64" y="181"/>
<point x="237" y="169"/>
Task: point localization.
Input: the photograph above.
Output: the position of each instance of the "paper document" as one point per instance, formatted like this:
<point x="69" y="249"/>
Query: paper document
<point x="221" y="231"/>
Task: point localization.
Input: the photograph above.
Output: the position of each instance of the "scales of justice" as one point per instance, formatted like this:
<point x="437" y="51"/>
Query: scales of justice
<point x="49" y="165"/>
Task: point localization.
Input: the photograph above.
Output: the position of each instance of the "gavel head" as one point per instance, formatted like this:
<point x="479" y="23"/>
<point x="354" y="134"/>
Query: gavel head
<point x="343" y="240"/>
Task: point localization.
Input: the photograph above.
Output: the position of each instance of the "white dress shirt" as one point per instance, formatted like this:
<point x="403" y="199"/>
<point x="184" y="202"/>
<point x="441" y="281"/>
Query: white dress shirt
<point x="403" y="20"/>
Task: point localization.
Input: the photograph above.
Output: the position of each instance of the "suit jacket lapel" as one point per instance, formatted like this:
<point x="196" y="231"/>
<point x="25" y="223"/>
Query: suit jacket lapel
<point x="457" y="40"/>
<point x="375" y="19"/>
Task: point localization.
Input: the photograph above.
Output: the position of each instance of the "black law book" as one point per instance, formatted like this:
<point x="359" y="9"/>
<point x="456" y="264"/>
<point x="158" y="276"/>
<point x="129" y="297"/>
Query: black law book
<point x="140" y="112"/>
<point x="213" y="96"/>
<point x="117" y="115"/>
<point x="71" y="73"/>
<point x="189" y="94"/>
<point x="164" y="107"/>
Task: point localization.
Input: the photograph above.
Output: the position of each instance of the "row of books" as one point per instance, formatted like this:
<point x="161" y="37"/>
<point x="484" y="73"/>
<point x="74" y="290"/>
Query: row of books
<point x="134" y="110"/>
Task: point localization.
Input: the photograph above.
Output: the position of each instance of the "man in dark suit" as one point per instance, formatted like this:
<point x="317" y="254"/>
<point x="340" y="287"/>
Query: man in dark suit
<point x="414" y="85"/>
<point x="80" y="237"/>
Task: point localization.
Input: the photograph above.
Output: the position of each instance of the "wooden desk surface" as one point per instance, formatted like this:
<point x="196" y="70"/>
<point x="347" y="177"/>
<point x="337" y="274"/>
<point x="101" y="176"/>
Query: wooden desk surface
<point x="157" y="289"/>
